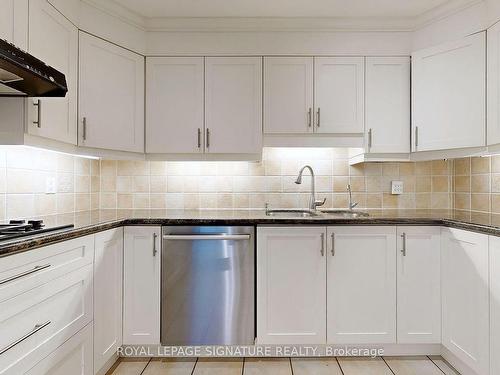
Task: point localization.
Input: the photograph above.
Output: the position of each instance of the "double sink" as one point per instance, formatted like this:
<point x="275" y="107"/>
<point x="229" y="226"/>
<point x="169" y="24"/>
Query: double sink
<point x="348" y="214"/>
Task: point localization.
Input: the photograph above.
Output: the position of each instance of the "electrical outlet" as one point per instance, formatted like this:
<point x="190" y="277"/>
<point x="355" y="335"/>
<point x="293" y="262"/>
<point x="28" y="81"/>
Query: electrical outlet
<point x="396" y="187"/>
<point x="50" y="185"/>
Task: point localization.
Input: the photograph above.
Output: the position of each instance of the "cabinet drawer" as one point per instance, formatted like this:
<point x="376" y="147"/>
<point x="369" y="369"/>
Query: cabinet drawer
<point x="34" y="323"/>
<point x="25" y="271"/>
<point x="74" y="357"/>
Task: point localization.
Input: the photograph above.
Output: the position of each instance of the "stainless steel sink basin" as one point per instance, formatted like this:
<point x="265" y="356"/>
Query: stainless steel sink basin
<point x="291" y="213"/>
<point x="345" y="213"/>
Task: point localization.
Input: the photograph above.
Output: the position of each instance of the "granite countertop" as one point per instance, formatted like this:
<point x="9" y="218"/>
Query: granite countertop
<point x="96" y="221"/>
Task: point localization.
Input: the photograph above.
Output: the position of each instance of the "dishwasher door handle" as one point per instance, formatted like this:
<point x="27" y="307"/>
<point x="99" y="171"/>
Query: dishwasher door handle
<point x="218" y="237"/>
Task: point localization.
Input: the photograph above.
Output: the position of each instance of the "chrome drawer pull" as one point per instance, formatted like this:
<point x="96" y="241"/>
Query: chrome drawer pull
<point x="322" y="251"/>
<point x="38" y="121"/>
<point x="191" y="237"/>
<point x="25" y="273"/>
<point x="35" y="329"/>
<point x="154" y="244"/>
<point x="403" y="250"/>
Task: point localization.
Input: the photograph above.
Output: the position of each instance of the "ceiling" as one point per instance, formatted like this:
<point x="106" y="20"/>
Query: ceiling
<point x="280" y="8"/>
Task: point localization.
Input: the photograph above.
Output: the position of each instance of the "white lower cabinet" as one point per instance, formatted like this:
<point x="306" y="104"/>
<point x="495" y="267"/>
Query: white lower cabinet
<point x="291" y="285"/>
<point x="108" y="281"/>
<point x="494" y="246"/>
<point x="141" y="285"/>
<point x="419" y="285"/>
<point x="361" y="286"/>
<point x="466" y="297"/>
<point x="74" y="357"/>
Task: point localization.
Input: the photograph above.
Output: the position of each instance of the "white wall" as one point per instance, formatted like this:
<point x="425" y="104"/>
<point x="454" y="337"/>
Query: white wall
<point x="278" y="43"/>
<point x="459" y="24"/>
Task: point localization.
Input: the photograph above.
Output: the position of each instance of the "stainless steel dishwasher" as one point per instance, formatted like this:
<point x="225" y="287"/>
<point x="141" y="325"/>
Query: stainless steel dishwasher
<point x="207" y="285"/>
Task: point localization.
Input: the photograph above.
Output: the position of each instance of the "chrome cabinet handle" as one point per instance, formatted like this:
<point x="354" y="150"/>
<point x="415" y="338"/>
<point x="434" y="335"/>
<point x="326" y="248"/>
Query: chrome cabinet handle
<point x="35" y="329"/>
<point x="403" y="250"/>
<point x="84" y="128"/>
<point x="23" y="274"/>
<point x="194" y="237"/>
<point x="155" y="236"/>
<point x="322" y="244"/>
<point x="416" y="136"/>
<point x="199" y="138"/>
<point x="309" y="117"/>
<point x="318" y="118"/>
<point x="208" y="138"/>
<point x="38" y="121"/>
<point x="370" y="138"/>
<point x="333" y="245"/>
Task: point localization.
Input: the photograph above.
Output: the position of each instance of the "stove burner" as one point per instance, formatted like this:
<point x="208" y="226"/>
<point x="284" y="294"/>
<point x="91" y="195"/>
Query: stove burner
<point x="36" y="224"/>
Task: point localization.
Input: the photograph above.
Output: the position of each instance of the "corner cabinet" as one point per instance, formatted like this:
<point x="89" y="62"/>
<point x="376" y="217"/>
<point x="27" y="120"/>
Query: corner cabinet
<point x="448" y="87"/>
<point x="141" y="285"/>
<point x="111" y="96"/>
<point x="493" y="84"/>
<point x="233" y="105"/>
<point x="361" y="285"/>
<point x="291" y="285"/>
<point x="108" y="289"/>
<point x="174" y="105"/>
<point x="465" y="300"/>
<point x="387" y="105"/>
<point x="54" y="40"/>
<point x="419" y="297"/>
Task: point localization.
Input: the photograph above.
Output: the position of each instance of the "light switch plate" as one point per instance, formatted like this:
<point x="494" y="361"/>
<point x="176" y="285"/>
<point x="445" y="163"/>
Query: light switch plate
<point x="396" y="187"/>
<point x="50" y="185"/>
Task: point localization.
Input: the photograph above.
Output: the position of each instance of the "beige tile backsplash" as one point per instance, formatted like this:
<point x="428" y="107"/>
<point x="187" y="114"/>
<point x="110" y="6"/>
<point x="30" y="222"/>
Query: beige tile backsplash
<point x="84" y="184"/>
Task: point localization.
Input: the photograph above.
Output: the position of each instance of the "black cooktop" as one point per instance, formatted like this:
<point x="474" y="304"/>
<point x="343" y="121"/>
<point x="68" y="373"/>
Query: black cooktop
<point x="21" y="228"/>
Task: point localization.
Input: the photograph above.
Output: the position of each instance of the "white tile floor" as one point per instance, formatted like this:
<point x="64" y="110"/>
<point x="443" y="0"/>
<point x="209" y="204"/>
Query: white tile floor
<point x="420" y="365"/>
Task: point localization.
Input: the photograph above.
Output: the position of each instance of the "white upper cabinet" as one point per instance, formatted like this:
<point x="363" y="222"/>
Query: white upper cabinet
<point x="233" y="105"/>
<point x="387" y="104"/>
<point x="111" y="96"/>
<point x="174" y="105"/>
<point x="54" y="40"/>
<point x="288" y="95"/>
<point x="141" y="285"/>
<point x="419" y="298"/>
<point x="108" y="289"/>
<point x="448" y="83"/>
<point x="339" y="94"/>
<point x="14" y="22"/>
<point x="494" y="84"/>
<point x="361" y="286"/>
<point x="291" y="285"/>
<point x="494" y="246"/>
<point x="466" y="297"/>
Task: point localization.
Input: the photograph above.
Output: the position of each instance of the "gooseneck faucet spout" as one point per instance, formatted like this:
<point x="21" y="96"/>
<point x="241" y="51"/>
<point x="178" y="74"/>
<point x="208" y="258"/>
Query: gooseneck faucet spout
<point x="351" y="203"/>
<point x="313" y="203"/>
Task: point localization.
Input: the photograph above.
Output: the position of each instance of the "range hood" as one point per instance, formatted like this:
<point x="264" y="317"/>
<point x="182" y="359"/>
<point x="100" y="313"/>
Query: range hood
<point x="21" y="74"/>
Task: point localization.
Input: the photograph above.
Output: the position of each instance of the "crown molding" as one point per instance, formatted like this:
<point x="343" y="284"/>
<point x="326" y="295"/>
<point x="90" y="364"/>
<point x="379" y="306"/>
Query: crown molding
<point x="284" y="24"/>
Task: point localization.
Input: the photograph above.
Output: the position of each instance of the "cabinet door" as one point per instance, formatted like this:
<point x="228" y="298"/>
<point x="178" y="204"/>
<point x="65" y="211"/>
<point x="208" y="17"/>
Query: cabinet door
<point x="419" y="298"/>
<point x="493" y="84"/>
<point x="291" y="285"/>
<point x="494" y="246"/>
<point x="448" y="83"/>
<point x="387" y="104"/>
<point x="54" y="40"/>
<point x="339" y="94"/>
<point x="288" y="95"/>
<point x="111" y="96"/>
<point x="361" y="286"/>
<point x="14" y="22"/>
<point x="174" y="105"/>
<point x="466" y="297"/>
<point x="108" y="281"/>
<point x="73" y="357"/>
<point x="233" y="105"/>
<point x="141" y="285"/>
